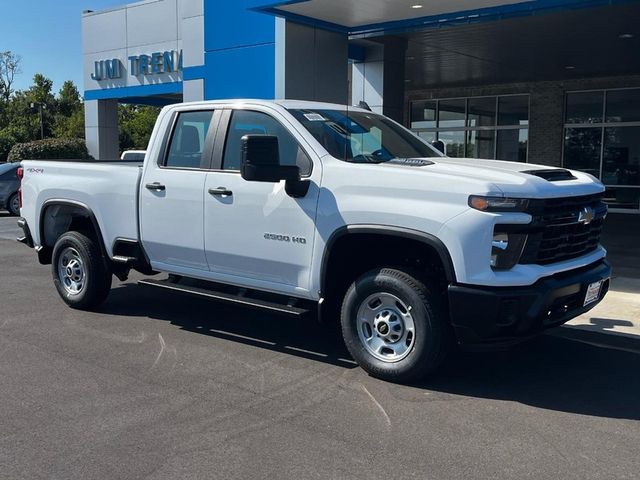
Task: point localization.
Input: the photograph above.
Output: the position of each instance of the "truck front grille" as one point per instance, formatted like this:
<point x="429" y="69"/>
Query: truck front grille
<point x="563" y="228"/>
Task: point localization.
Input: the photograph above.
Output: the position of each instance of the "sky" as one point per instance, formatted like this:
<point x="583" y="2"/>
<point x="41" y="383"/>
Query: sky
<point x="48" y="36"/>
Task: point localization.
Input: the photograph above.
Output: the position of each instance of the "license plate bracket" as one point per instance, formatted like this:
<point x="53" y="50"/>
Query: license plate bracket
<point x="593" y="292"/>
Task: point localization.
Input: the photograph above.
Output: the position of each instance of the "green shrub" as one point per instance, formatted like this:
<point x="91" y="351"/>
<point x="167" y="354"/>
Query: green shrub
<point x="50" y="149"/>
<point x="6" y="142"/>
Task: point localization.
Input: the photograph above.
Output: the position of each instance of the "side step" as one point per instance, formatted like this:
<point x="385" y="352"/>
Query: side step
<point x="235" y="295"/>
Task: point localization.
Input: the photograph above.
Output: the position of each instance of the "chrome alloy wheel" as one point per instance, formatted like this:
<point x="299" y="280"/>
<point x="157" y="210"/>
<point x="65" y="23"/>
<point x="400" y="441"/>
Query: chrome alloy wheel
<point x="71" y="271"/>
<point x="386" y="327"/>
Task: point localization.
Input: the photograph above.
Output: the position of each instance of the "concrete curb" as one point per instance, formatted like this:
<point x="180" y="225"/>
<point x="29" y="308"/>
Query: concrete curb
<point x="618" y="313"/>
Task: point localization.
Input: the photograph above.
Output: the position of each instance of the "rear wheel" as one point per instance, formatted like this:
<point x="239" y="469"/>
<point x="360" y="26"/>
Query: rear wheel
<point x="13" y="205"/>
<point x="395" y="325"/>
<point x="80" y="271"/>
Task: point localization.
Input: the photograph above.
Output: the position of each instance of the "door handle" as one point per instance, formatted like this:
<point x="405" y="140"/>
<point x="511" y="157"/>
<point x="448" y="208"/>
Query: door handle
<point x="156" y="186"/>
<point x="222" y="191"/>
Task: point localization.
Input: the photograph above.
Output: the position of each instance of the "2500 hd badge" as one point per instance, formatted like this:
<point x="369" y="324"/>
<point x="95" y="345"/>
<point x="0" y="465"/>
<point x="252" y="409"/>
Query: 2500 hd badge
<point x="285" y="238"/>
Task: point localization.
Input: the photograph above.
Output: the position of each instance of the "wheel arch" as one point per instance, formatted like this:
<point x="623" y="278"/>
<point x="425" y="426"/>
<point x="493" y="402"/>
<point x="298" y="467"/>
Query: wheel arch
<point x="434" y="244"/>
<point x="70" y="213"/>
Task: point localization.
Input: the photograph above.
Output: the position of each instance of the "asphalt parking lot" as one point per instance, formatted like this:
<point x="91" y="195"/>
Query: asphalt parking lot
<point x="165" y="386"/>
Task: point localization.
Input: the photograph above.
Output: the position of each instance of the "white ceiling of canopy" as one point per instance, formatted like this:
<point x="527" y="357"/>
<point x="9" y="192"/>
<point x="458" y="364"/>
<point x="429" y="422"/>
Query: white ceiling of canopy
<point x="355" y="13"/>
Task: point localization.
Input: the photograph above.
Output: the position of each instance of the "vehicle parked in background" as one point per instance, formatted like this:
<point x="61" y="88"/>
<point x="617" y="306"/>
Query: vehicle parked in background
<point x="302" y="206"/>
<point x="9" y="185"/>
<point x="133" y="155"/>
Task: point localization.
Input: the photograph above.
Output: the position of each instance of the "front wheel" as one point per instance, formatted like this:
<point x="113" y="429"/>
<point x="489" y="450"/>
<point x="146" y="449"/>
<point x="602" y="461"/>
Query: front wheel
<point x="80" y="272"/>
<point x="395" y="325"/>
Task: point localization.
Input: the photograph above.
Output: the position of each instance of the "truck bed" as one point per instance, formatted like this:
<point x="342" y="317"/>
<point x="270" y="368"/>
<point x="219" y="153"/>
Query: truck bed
<point x="108" y="189"/>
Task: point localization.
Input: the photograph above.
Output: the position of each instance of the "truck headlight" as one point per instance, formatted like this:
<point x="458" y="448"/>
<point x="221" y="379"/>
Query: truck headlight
<point x="498" y="204"/>
<point x="506" y="249"/>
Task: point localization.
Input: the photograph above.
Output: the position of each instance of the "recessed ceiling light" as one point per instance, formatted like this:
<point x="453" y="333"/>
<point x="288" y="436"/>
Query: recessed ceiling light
<point x="416" y="6"/>
<point x="626" y="36"/>
<point x="569" y="67"/>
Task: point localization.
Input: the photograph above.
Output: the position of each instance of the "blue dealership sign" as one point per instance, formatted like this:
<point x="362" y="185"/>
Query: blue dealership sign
<point x="154" y="64"/>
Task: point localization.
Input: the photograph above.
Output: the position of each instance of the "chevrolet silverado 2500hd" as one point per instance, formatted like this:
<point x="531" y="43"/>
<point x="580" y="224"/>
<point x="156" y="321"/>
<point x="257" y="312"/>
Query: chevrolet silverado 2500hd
<point x="292" y="206"/>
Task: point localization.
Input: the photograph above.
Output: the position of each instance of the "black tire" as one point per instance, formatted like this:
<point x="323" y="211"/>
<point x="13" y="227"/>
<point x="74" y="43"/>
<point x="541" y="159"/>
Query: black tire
<point x="431" y="327"/>
<point x="96" y="279"/>
<point x="12" y="205"/>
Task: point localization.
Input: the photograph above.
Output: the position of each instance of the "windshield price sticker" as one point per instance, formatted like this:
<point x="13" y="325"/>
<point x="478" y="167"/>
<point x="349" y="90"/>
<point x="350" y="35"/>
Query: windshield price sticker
<point x="314" y="117"/>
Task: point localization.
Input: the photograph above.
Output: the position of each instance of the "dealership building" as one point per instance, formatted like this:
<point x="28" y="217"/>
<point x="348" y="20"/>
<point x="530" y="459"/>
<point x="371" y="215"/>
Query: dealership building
<point x="555" y="82"/>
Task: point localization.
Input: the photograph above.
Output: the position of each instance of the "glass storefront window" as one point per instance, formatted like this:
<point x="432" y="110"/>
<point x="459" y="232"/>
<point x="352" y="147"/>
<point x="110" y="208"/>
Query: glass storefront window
<point x="584" y="107"/>
<point x="451" y="113"/>
<point x="512" y="145"/>
<point x="476" y="127"/>
<point x="623" y="198"/>
<point x="582" y="149"/>
<point x="621" y="160"/>
<point x="623" y="105"/>
<point x="513" y="110"/>
<point x="480" y="143"/>
<point x="428" y="136"/>
<point x="608" y="152"/>
<point x="454" y="143"/>
<point x="423" y="114"/>
<point x="482" y="112"/>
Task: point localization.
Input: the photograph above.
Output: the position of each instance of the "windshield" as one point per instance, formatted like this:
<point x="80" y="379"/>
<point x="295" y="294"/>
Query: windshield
<point x="362" y="137"/>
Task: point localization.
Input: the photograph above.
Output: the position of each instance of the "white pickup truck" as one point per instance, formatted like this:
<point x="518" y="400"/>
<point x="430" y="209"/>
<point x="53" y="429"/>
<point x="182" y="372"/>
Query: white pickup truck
<point x="294" y="206"/>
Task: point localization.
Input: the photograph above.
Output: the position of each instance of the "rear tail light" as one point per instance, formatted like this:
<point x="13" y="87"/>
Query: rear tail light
<point x="20" y="175"/>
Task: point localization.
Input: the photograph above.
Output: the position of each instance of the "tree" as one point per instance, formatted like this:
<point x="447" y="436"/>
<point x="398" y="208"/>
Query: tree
<point x="9" y="68"/>
<point x="71" y="126"/>
<point x="21" y="121"/>
<point x="41" y="90"/>
<point x="69" y="100"/>
<point x="44" y="103"/>
<point x="69" y="117"/>
<point x="6" y="142"/>
<point x="20" y="116"/>
<point x="136" y="124"/>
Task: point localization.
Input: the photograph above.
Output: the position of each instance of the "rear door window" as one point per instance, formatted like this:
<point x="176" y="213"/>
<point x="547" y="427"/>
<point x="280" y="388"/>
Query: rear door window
<point x="187" y="142"/>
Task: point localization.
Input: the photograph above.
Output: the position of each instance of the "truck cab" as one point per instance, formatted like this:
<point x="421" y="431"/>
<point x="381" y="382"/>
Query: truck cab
<point x="302" y="206"/>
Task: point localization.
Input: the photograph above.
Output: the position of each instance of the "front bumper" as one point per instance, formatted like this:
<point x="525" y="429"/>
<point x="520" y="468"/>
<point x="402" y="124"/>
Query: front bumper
<point x="486" y="316"/>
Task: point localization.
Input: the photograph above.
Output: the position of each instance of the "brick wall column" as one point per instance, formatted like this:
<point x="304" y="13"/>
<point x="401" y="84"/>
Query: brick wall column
<point x="546" y="122"/>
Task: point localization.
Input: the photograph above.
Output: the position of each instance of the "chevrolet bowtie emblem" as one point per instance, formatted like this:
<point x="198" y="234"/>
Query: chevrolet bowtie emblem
<point x="586" y="215"/>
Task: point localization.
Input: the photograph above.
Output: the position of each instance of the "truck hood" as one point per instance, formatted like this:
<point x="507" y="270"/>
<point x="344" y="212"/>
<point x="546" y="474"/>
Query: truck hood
<point x="511" y="179"/>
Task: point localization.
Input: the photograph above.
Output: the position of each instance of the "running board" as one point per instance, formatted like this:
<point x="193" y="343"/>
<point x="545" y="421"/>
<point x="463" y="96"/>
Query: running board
<point x="234" y="295"/>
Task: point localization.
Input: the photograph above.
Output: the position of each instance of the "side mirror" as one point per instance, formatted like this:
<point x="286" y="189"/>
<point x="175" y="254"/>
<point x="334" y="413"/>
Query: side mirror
<point x="261" y="160"/>
<point x="438" y="145"/>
